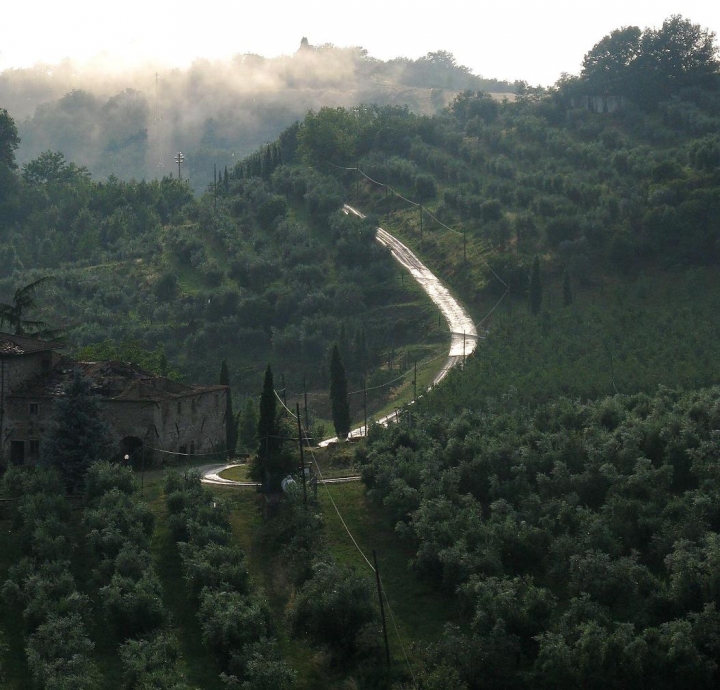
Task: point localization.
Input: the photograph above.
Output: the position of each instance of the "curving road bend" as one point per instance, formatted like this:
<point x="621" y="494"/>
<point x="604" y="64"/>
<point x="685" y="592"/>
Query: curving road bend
<point x="463" y="340"/>
<point x="464" y="336"/>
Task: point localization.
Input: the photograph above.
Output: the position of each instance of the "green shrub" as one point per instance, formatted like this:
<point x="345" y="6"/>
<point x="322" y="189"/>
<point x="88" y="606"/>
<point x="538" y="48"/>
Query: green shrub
<point x="333" y="607"/>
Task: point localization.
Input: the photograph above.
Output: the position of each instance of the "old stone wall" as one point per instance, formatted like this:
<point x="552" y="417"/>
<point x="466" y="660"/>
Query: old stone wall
<point x="19" y="368"/>
<point x="193" y="423"/>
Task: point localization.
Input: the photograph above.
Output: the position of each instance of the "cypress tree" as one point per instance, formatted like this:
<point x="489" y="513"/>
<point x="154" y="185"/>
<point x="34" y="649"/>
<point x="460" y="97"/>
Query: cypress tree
<point x="339" y="395"/>
<point x="267" y="430"/>
<point x="273" y="462"/>
<point x="230" y="421"/>
<point x="567" y="289"/>
<point x="535" y="293"/>
<point x="77" y="436"/>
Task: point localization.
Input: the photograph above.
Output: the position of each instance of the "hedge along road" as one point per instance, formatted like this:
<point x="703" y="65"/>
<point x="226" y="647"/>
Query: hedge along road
<point x="463" y="340"/>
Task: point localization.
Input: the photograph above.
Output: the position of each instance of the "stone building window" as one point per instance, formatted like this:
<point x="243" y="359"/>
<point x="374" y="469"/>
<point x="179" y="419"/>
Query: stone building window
<point x="17" y="452"/>
<point x="34" y="408"/>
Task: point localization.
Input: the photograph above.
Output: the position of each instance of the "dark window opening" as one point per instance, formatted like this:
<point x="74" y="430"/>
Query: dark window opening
<point x="33" y="448"/>
<point x="17" y="452"/>
<point x="183" y="450"/>
<point x="34" y="408"/>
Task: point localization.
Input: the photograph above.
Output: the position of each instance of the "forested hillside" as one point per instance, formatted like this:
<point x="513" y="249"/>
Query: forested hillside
<point x="263" y="268"/>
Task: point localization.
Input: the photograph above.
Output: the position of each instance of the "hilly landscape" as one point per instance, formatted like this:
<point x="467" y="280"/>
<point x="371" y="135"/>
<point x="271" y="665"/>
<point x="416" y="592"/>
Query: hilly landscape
<point x="547" y="517"/>
<point x="129" y="124"/>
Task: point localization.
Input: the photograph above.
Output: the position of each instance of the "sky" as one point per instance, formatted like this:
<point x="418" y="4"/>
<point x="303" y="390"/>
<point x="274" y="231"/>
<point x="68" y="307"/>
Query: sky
<point x="514" y="39"/>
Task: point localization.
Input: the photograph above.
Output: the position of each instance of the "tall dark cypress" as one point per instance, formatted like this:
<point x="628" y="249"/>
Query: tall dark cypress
<point x="267" y="429"/>
<point x="535" y="292"/>
<point x="339" y="395"/>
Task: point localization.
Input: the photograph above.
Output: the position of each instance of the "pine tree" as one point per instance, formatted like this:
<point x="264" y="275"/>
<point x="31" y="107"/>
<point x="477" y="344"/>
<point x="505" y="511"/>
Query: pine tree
<point x="230" y="421"/>
<point x="568" y="297"/>
<point x="339" y="395"/>
<point x="535" y="287"/>
<point x="76" y="436"/>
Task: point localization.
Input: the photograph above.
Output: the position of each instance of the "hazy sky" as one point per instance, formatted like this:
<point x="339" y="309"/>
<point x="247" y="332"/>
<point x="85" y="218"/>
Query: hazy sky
<point x="511" y="39"/>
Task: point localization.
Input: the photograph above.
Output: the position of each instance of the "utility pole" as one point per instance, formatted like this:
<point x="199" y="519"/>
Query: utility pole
<point x="302" y="455"/>
<point x="365" y="401"/>
<point x="382" y="608"/>
<point x="213" y="188"/>
<point x="415" y="383"/>
<point x="179" y="159"/>
<point x="307" y="420"/>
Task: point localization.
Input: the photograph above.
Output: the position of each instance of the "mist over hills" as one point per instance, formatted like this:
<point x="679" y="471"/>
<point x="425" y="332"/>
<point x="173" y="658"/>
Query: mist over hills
<point x="130" y="124"/>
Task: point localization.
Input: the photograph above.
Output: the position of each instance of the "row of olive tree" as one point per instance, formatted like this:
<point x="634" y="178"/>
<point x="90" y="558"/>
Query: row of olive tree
<point x="56" y="615"/>
<point x="118" y="530"/>
<point x="237" y="623"/>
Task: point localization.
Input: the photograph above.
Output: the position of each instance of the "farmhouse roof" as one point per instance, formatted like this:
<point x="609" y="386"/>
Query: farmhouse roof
<point x="24" y="345"/>
<point x="112" y="380"/>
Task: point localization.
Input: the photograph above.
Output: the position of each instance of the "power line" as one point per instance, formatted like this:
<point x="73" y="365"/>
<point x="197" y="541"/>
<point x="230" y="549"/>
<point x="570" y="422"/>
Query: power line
<point x="414" y="203"/>
<point x="397" y="632"/>
<point x="344" y="524"/>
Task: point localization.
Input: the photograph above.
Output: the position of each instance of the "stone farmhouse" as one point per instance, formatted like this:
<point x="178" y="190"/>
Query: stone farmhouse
<point x="149" y="416"/>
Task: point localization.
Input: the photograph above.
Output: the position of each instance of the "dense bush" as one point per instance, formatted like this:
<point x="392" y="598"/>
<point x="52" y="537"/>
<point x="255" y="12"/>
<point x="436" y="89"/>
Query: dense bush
<point x="56" y="614"/>
<point x="152" y="663"/>
<point x="581" y="537"/>
<point x="333" y="607"/>
<point x="236" y="622"/>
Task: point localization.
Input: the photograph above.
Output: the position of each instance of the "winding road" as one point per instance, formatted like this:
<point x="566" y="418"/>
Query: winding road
<point x="463" y="340"/>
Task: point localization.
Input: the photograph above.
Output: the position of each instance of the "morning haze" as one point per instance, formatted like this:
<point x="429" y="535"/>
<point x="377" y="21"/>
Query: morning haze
<point x="131" y="123"/>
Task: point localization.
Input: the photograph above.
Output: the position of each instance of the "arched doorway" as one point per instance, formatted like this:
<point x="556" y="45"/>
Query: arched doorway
<point x="132" y="447"/>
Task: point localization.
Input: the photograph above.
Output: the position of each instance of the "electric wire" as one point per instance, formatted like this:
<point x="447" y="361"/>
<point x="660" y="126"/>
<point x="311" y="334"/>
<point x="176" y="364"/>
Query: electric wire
<point x="414" y="203"/>
<point x="323" y="481"/>
<point x="397" y="632"/>
<point x="337" y="510"/>
<point x="172" y="452"/>
<point x="370" y="565"/>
